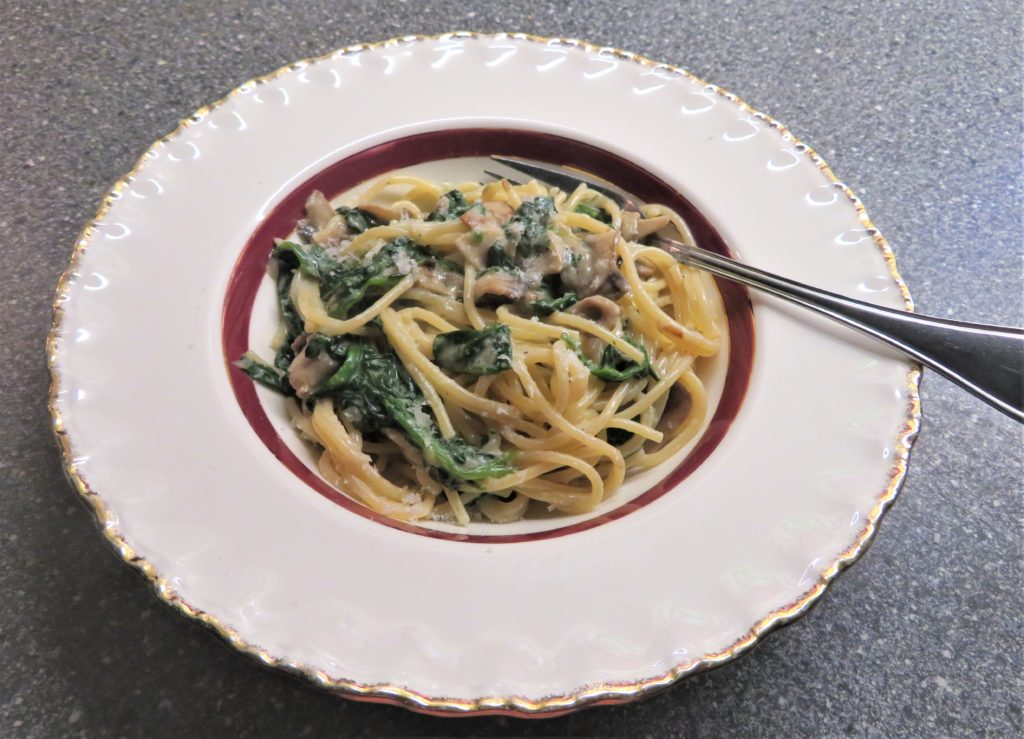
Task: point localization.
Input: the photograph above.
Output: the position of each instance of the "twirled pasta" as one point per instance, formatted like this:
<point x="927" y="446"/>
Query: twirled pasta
<point x="485" y="350"/>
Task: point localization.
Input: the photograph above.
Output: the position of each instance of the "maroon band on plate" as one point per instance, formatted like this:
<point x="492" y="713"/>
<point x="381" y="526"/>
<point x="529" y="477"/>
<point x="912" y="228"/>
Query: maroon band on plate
<point x="250" y="270"/>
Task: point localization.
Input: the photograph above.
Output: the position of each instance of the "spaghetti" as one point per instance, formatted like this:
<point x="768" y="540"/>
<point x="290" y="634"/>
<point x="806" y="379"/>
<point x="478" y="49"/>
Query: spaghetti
<point x="488" y="351"/>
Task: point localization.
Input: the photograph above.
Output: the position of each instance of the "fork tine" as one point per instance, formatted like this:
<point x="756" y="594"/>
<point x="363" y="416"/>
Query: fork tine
<point x="563" y="179"/>
<point x="497" y="176"/>
<point x="559" y="179"/>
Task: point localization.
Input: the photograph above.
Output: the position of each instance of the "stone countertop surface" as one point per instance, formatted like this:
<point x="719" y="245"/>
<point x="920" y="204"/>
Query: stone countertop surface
<point x="917" y="108"/>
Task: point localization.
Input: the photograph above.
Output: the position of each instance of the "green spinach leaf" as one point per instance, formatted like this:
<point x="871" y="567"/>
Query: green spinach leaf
<point x="484" y="352"/>
<point x="373" y="388"/>
<point x="614" y="366"/>
<point x="264" y="373"/>
<point x="547" y="306"/>
<point x="357" y="219"/>
<point x="499" y="257"/>
<point x="454" y="205"/>
<point x="598" y="213"/>
<point x="311" y="259"/>
<point x="346" y="287"/>
<point x="528" y="229"/>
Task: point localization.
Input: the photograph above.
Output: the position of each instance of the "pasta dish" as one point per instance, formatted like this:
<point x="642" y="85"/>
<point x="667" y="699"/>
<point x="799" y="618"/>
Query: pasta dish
<point x="487" y="351"/>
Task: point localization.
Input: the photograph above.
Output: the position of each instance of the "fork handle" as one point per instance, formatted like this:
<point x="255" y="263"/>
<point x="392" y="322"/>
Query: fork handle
<point x="985" y="360"/>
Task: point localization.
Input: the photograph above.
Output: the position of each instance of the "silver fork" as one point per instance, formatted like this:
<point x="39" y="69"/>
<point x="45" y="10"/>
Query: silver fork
<point x="985" y="360"/>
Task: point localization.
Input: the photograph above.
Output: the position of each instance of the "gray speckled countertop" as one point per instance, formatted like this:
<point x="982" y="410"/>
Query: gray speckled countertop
<point x="918" y="109"/>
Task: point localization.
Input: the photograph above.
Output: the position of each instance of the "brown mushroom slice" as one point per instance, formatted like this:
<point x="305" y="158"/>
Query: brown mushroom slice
<point x="614" y="286"/>
<point x="439" y="280"/>
<point x="499" y="211"/>
<point x="600" y="310"/>
<point x="506" y="286"/>
<point x="305" y="230"/>
<point x="634" y="227"/>
<point x="486" y="226"/>
<point x="318" y="209"/>
<point x="485" y="229"/>
<point x="603" y="312"/>
<point x="602" y="246"/>
<point x="331" y="234"/>
<point x="503" y="511"/>
<point x="607" y="280"/>
<point x="647" y="226"/>
<point x="629" y="220"/>
<point x="550" y="261"/>
<point x="588" y="269"/>
<point x="305" y="374"/>
<point x="595" y="270"/>
<point x="677" y="408"/>
<point x="471" y="251"/>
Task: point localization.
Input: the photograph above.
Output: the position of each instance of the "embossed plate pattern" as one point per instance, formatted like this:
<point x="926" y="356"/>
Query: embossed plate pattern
<point x="188" y="494"/>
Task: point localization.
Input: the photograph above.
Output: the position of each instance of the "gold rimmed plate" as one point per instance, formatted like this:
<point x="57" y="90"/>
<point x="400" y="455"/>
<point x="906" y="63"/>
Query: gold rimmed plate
<point x="189" y="490"/>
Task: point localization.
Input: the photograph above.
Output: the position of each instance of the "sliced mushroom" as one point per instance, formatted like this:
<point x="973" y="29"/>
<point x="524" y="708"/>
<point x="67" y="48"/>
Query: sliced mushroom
<point x="331" y="234"/>
<point x="318" y="209"/>
<point x="305" y="374"/>
<point x="485" y="229"/>
<point x="677" y="408"/>
<point x="594" y="269"/>
<point x="305" y="230"/>
<point x="615" y="286"/>
<point x="635" y="228"/>
<point x="501" y="212"/>
<point x="439" y="280"/>
<point x="485" y="223"/>
<point x="442" y="206"/>
<point x="502" y="511"/>
<point x="629" y="221"/>
<point x="603" y="312"/>
<point x="603" y="248"/>
<point x="472" y="251"/>
<point x="499" y="285"/>
<point x="647" y="226"/>
<point x="600" y="310"/>
<point x="550" y="261"/>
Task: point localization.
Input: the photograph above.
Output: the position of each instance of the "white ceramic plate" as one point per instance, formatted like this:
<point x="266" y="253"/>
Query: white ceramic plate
<point x="538" y="619"/>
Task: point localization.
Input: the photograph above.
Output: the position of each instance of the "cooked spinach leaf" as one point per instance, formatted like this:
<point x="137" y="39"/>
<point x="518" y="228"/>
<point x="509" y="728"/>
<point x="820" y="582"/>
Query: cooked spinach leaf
<point x="498" y="256"/>
<point x="311" y="259"/>
<point x="547" y="306"/>
<point x="264" y="373"/>
<point x="373" y="389"/>
<point x="317" y="344"/>
<point x="450" y="206"/>
<point x="357" y="219"/>
<point x="345" y="284"/>
<point x="348" y="288"/>
<point x="456" y="457"/>
<point x="292" y="321"/>
<point x="528" y="229"/>
<point x="614" y="365"/>
<point x="597" y="213"/>
<point x="484" y="352"/>
<point x="290" y="316"/>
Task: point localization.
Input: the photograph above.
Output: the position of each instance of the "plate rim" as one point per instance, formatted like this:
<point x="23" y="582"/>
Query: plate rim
<point x="606" y="693"/>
